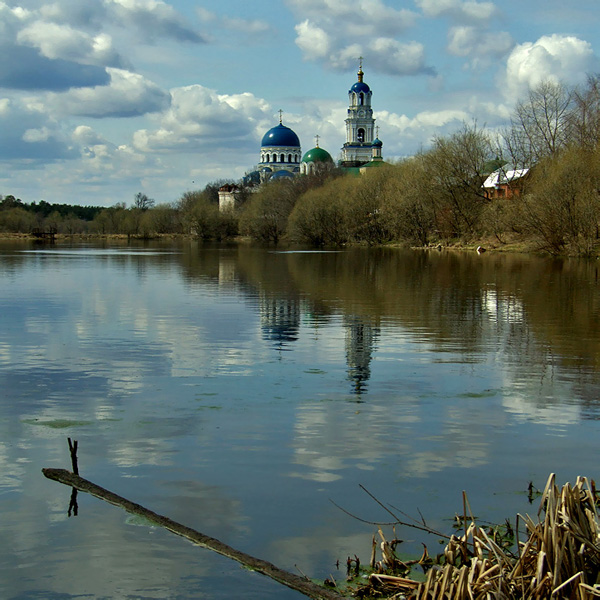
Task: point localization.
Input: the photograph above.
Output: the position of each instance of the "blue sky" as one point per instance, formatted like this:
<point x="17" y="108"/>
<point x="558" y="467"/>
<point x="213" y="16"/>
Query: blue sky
<point x="100" y="99"/>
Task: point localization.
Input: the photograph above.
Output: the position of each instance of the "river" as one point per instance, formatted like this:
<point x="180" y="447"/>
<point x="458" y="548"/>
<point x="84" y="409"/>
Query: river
<point x="249" y="393"/>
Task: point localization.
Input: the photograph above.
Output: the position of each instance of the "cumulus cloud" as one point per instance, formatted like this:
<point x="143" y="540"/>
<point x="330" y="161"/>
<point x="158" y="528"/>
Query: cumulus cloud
<point x="251" y="29"/>
<point x="28" y="70"/>
<point x="373" y="27"/>
<point x="558" y="58"/>
<point x="55" y="46"/>
<point x="153" y="19"/>
<point x="479" y="44"/>
<point x="312" y="40"/>
<point x="383" y="54"/>
<point x="200" y="118"/>
<point x="29" y="134"/>
<point x="362" y="18"/>
<point x="57" y="41"/>
<point x="102" y="159"/>
<point x="458" y="9"/>
<point x="126" y="95"/>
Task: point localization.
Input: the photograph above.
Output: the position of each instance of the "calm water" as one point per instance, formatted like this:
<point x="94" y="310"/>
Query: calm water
<point x="241" y="391"/>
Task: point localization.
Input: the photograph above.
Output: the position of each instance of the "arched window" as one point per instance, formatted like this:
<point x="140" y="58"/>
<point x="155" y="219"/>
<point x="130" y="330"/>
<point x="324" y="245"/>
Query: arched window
<point x="360" y="135"/>
<point x="361" y="99"/>
<point x="289" y="158"/>
<point x="266" y="158"/>
<point x="282" y="158"/>
<point x="274" y="157"/>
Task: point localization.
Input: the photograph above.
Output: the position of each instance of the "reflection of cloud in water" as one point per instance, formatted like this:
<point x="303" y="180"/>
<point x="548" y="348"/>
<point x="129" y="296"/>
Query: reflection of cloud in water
<point x="147" y="451"/>
<point x="12" y="469"/>
<point x="333" y="436"/>
<point x="502" y="308"/>
<point x="550" y="412"/>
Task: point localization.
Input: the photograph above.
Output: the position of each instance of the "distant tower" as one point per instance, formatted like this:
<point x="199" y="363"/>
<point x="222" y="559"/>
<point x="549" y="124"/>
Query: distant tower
<point x="360" y="125"/>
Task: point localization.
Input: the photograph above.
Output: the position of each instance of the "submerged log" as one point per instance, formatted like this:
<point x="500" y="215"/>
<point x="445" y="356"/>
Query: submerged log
<point x="300" y="584"/>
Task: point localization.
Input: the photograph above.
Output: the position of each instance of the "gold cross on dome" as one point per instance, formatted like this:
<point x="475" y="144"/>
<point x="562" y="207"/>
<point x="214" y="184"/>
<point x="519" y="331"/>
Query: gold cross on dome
<point x="317" y="139"/>
<point x="280" y="116"/>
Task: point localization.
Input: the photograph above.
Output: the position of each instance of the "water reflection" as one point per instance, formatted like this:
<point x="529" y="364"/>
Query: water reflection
<point x="280" y="320"/>
<point x="361" y="336"/>
<point x="243" y="388"/>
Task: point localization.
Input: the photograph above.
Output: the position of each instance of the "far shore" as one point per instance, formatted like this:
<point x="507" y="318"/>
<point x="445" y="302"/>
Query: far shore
<point x="481" y="246"/>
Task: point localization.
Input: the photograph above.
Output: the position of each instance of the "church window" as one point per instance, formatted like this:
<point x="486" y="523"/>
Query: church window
<point x="360" y="135"/>
<point x="267" y="158"/>
<point x="361" y="99"/>
<point x="282" y="158"/>
<point x="289" y="158"/>
<point x="274" y="157"/>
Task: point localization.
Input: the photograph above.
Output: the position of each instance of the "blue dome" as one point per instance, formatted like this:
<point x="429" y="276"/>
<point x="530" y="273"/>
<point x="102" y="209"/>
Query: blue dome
<point x="283" y="174"/>
<point x="280" y="136"/>
<point x="377" y="142"/>
<point x="360" y="86"/>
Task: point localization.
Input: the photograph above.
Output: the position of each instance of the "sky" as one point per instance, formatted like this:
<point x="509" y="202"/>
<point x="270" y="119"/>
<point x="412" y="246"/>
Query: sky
<point x="101" y="99"/>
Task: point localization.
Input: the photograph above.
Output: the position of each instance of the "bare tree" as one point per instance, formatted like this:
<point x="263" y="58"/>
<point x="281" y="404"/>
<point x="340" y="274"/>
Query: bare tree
<point x="540" y="124"/>
<point x="584" y="122"/>
<point x="142" y="201"/>
<point x="457" y="166"/>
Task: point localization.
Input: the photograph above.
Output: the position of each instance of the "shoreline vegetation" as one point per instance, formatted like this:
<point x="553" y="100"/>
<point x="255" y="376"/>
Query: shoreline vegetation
<point x="543" y="196"/>
<point x="477" y="245"/>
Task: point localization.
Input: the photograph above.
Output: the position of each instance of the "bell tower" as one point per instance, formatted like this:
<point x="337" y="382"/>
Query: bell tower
<point x="360" y="124"/>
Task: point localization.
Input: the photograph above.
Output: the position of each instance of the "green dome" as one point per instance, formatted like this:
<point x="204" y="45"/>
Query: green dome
<point x="317" y="155"/>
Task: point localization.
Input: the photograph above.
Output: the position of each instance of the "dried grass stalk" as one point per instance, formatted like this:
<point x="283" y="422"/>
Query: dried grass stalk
<point x="560" y="559"/>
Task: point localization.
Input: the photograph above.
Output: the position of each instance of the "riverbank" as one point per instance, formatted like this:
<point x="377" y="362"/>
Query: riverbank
<point x="511" y="244"/>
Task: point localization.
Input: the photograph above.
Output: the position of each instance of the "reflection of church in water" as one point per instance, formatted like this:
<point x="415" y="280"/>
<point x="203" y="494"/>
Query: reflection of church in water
<point x="280" y="319"/>
<point x="361" y="336"/>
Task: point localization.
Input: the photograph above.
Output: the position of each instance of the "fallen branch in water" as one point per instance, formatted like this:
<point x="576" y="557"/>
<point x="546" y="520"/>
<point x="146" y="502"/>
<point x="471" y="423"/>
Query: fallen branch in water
<point x="300" y="584"/>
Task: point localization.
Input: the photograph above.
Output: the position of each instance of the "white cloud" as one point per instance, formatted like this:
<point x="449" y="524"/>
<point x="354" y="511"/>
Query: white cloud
<point x="30" y="134"/>
<point x="153" y="19"/>
<point x="558" y="58"/>
<point x="382" y="53"/>
<point x="312" y="40"/>
<point x="251" y="27"/>
<point x="336" y="33"/>
<point x="101" y="159"/>
<point x="362" y="18"/>
<point x="63" y="42"/>
<point x="128" y="94"/>
<point x="457" y="9"/>
<point x="479" y="44"/>
<point x="200" y="118"/>
<point x="397" y="58"/>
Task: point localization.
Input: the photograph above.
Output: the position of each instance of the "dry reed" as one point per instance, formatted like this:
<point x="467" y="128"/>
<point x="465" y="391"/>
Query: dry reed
<point x="559" y="558"/>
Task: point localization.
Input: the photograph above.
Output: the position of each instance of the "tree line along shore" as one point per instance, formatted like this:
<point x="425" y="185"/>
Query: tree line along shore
<point x="435" y="197"/>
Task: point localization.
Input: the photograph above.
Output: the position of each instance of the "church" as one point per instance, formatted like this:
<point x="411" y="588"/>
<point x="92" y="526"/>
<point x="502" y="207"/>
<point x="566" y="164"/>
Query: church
<point x="281" y="153"/>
